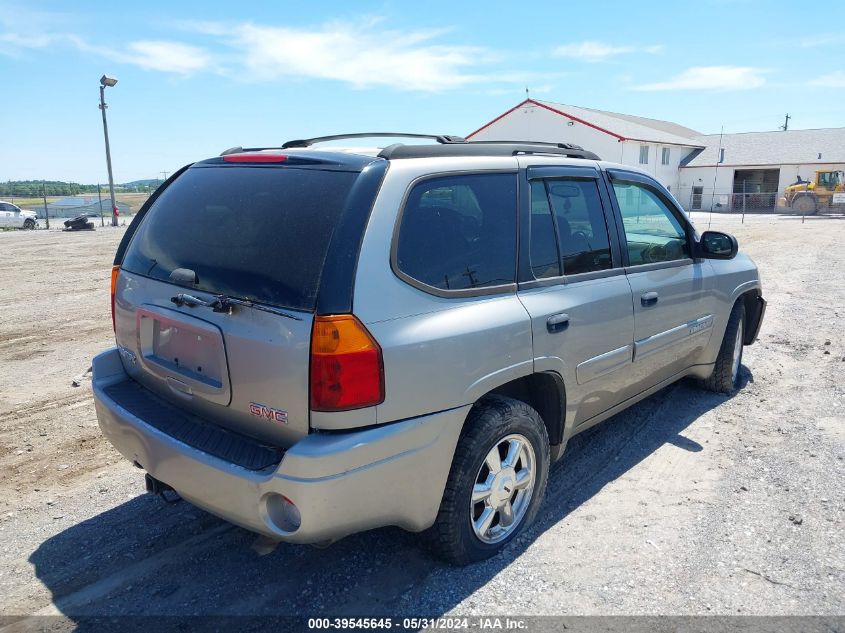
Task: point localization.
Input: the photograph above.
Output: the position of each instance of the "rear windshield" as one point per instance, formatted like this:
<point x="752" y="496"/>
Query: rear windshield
<point x="257" y="233"/>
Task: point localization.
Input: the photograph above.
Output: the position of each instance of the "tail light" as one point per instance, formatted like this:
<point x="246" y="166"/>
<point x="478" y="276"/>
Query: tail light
<point x="115" y="271"/>
<point x="347" y="370"/>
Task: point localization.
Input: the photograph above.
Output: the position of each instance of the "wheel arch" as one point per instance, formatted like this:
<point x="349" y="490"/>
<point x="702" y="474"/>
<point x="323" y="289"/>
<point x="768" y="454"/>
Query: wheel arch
<point x="543" y="391"/>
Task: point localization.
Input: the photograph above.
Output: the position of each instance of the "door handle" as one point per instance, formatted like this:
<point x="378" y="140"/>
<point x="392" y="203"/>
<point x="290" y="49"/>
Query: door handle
<point x="557" y="323"/>
<point x="648" y="299"/>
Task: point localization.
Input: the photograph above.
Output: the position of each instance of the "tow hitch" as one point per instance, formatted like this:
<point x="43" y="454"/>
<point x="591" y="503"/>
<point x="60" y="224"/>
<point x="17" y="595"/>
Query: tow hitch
<point x="161" y="489"/>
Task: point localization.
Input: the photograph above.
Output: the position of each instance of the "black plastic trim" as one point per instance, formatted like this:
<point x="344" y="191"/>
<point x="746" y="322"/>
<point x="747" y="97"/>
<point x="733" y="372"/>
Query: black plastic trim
<point x="337" y="282"/>
<point x="191" y="429"/>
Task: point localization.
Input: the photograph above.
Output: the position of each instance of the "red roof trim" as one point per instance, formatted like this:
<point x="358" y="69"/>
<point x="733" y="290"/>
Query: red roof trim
<point x="551" y="109"/>
<point x="498" y="118"/>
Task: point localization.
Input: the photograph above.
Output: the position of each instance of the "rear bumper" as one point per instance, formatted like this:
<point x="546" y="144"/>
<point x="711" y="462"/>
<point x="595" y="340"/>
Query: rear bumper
<point x="341" y="483"/>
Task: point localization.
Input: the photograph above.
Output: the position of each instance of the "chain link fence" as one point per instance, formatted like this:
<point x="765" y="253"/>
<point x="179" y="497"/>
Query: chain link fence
<point x="728" y="201"/>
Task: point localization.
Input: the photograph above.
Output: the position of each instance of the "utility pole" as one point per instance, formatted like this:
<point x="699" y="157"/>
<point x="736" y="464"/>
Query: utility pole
<point x="785" y="125"/>
<point x="100" y="198"/>
<point x="108" y="81"/>
<point x="46" y="213"/>
<point x="163" y="175"/>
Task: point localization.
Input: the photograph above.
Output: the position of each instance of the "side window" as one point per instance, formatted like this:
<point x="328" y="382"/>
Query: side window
<point x="543" y="252"/>
<point x="653" y="232"/>
<point x="459" y="232"/>
<point x="581" y="229"/>
<point x="643" y="154"/>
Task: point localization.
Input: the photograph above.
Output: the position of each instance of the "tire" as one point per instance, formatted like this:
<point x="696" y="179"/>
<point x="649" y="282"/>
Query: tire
<point x="504" y="424"/>
<point x="726" y="373"/>
<point x="804" y="205"/>
<point x="29" y="224"/>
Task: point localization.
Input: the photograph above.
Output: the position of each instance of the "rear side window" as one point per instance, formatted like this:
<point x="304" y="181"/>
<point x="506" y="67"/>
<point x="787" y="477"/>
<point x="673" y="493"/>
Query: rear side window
<point x="568" y="211"/>
<point x="257" y="233"/>
<point x="459" y="232"/>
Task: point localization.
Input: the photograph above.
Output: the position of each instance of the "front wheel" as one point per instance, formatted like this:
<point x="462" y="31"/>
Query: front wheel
<point x="29" y="224"/>
<point x="725" y="376"/>
<point x="805" y="205"/>
<point x="496" y="483"/>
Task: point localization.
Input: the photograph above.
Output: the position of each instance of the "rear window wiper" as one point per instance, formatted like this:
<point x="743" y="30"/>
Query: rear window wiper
<point x="224" y="304"/>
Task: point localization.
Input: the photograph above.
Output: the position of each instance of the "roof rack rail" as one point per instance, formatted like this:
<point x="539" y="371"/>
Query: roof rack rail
<point x="485" y="148"/>
<point x="559" y="145"/>
<point x="444" y="139"/>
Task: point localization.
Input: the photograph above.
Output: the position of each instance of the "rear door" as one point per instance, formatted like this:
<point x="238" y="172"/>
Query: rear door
<point x="672" y="293"/>
<point x="217" y="290"/>
<point x="574" y="287"/>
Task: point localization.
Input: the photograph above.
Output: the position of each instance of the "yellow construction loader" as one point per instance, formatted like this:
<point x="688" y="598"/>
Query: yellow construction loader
<point x="807" y="197"/>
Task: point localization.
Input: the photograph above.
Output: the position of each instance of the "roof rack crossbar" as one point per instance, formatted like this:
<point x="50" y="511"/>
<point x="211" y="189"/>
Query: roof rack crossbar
<point x="443" y="139"/>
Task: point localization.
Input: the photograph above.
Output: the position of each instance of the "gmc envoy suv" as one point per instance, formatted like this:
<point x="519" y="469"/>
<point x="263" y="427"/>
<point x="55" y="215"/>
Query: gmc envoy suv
<point x="315" y="342"/>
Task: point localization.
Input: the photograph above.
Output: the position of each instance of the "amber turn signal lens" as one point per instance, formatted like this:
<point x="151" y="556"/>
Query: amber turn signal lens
<point x="347" y="369"/>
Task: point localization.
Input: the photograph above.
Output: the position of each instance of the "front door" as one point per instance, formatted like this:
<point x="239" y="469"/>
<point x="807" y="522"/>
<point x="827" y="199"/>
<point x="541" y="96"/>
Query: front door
<point x="574" y="288"/>
<point x="672" y="293"/>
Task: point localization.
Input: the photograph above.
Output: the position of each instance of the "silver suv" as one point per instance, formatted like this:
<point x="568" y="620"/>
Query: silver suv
<point x="311" y="343"/>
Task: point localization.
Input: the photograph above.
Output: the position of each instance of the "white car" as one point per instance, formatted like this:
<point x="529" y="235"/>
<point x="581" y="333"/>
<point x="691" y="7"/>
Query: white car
<point x="12" y="216"/>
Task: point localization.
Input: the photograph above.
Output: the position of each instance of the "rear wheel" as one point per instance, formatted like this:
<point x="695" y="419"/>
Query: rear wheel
<point x="725" y="376"/>
<point x="805" y="205"/>
<point x="496" y="482"/>
<point x="29" y="224"/>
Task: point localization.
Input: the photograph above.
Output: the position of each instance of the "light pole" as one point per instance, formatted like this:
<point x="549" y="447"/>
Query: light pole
<point x="105" y="81"/>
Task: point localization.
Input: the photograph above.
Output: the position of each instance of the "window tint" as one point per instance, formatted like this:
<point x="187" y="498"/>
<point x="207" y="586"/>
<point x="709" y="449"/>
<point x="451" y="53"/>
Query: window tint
<point x="543" y="252"/>
<point x="653" y="232"/>
<point x="459" y="232"/>
<point x="258" y="233"/>
<point x="580" y="223"/>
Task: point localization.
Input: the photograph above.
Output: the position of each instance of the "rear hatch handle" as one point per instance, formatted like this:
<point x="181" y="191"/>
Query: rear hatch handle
<point x="224" y="304"/>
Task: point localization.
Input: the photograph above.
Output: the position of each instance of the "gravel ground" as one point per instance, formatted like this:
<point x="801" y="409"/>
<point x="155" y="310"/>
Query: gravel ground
<point x="688" y="503"/>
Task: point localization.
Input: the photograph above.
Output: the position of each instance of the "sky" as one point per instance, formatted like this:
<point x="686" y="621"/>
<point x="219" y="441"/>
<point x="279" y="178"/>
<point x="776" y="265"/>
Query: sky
<point x="198" y="77"/>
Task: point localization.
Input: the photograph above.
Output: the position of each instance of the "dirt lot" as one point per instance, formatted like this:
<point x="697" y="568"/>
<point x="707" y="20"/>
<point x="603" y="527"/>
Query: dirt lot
<point x="689" y="503"/>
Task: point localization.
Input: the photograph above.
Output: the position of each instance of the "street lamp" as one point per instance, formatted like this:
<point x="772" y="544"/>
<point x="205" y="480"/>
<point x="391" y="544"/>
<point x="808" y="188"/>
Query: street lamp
<point x="106" y="81"/>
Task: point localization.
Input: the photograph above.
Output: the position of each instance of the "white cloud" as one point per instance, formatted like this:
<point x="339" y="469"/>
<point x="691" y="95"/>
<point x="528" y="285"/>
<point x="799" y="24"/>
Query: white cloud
<point x="822" y="39"/>
<point x="831" y="80"/>
<point x="592" y="51"/>
<point x="711" y="78"/>
<point x="171" y="57"/>
<point x="355" y="53"/>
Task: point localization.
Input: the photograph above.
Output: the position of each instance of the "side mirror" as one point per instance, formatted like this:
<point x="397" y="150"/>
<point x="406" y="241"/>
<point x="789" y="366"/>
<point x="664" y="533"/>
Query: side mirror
<point x="717" y="245"/>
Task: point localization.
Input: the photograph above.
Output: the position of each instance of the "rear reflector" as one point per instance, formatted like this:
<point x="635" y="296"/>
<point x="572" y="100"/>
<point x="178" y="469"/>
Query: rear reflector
<point x="115" y="271"/>
<point x="255" y="158"/>
<point x="347" y="370"/>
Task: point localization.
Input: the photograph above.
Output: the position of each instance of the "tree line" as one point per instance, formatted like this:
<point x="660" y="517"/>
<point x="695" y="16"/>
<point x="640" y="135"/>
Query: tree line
<point x="33" y="188"/>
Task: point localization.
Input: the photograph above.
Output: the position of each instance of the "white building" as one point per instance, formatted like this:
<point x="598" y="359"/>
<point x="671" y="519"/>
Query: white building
<point x="757" y="164"/>
<point x="657" y="147"/>
<point x="685" y="161"/>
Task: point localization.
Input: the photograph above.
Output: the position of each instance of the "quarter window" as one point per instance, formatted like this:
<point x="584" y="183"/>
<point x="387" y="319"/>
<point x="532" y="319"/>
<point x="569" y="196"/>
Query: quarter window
<point x="459" y="232"/>
<point x="653" y="232"/>
<point x="567" y="218"/>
